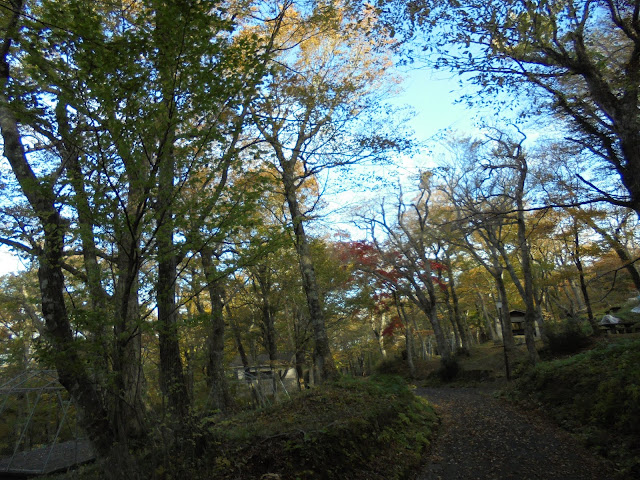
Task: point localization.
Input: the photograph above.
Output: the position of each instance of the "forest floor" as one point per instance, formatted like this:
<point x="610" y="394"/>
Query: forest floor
<point x="485" y="438"/>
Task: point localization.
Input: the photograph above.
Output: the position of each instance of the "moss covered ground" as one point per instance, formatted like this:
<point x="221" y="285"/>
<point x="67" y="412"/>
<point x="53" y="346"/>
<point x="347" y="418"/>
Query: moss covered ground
<point x="373" y="428"/>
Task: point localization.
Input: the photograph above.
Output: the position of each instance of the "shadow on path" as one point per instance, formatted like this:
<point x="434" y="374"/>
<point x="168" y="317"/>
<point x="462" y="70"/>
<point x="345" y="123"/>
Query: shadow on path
<point x="484" y="438"/>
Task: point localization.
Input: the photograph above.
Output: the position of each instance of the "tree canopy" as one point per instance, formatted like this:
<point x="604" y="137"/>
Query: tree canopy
<point x="166" y="163"/>
<point x="578" y="58"/>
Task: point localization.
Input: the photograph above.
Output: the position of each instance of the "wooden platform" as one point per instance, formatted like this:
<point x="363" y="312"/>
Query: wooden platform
<point x="49" y="459"/>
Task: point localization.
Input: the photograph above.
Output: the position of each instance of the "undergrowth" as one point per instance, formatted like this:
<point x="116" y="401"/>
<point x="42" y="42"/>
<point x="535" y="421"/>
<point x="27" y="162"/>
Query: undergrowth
<point x="567" y="338"/>
<point x="372" y="428"/>
<point x="369" y="429"/>
<point x="595" y="394"/>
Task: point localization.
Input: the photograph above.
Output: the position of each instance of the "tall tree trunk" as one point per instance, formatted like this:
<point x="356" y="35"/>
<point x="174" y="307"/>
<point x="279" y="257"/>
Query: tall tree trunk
<point x="428" y="304"/>
<point x="443" y="345"/>
<point x="408" y="335"/>
<point x="457" y="334"/>
<point x="300" y="340"/>
<point x="540" y="300"/>
<point x="323" y="358"/>
<point x="462" y="327"/>
<point x="505" y="323"/>
<point x="71" y="368"/>
<point x="235" y="329"/>
<point x="457" y="338"/>
<point x="261" y="276"/>
<point x="487" y="318"/>
<point x="377" y="332"/>
<point x="527" y="271"/>
<point x="127" y="355"/>
<point x="216" y="379"/>
<point x="583" y="283"/>
<point x="525" y="290"/>
<point x="128" y="407"/>
<point x="172" y="380"/>
<point x="416" y="330"/>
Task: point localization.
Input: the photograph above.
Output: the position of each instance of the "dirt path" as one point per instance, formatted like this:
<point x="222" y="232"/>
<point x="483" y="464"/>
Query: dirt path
<point x="483" y="438"/>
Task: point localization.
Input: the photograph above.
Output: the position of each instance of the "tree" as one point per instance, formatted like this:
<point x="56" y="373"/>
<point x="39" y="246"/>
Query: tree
<point x="613" y="226"/>
<point x="481" y="215"/>
<point x="445" y="240"/>
<point x="20" y="322"/>
<point x="317" y="113"/>
<point x="491" y="201"/>
<point x="577" y="57"/>
<point x="509" y="154"/>
<point x="108" y="114"/>
<point x="41" y="196"/>
<point x="402" y="256"/>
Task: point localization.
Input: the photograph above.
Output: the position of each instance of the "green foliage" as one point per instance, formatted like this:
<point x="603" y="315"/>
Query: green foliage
<point x="595" y="394"/>
<point x="348" y="429"/>
<point x="566" y="337"/>
<point x="352" y="428"/>
<point x="32" y="419"/>
<point x="395" y="365"/>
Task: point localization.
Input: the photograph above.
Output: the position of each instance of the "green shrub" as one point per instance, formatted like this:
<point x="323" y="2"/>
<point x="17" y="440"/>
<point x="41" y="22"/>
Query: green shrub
<point x="393" y="366"/>
<point x="374" y="429"/>
<point x="354" y="428"/>
<point x="449" y="369"/>
<point x="566" y="338"/>
<point x="595" y="394"/>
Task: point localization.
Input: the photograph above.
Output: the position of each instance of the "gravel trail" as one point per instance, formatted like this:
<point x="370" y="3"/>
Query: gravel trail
<point x="484" y="438"/>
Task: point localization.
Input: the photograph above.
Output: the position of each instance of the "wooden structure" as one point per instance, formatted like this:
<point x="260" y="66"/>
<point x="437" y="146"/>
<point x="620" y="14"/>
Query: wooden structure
<point x="517" y="323"/>
<point x="620" y="328"/>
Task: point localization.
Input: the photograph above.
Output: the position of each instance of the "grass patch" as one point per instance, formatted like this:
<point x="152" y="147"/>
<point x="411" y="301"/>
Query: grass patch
<point x="595" y="394"/>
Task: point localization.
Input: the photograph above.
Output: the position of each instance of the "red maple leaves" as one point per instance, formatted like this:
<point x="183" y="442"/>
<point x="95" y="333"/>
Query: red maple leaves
<point x="394" y="325"/>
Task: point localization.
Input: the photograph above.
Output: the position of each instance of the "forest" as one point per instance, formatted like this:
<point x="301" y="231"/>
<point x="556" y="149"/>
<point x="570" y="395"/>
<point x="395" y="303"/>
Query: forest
<point x="176" y="175"/>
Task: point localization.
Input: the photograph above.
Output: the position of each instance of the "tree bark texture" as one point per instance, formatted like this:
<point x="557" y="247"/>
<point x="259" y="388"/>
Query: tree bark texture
<point x="323" y="356"/>
<point x="505" y="320"/>
<point x="262" y="284"/>
<point x="172" y="380"/>
<point x="219" y="395"/>
<point x="462" y="324"/>
<point x="71" y="369"/>
<point x="525" y="258"/>
<point x="490" y="325"/>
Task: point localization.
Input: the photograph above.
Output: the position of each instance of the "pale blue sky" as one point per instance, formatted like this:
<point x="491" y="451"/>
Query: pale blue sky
<point x="434" y="96"/>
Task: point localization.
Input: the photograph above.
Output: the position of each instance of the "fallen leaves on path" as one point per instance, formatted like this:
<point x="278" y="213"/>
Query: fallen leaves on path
<point x="484" y="438"/>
